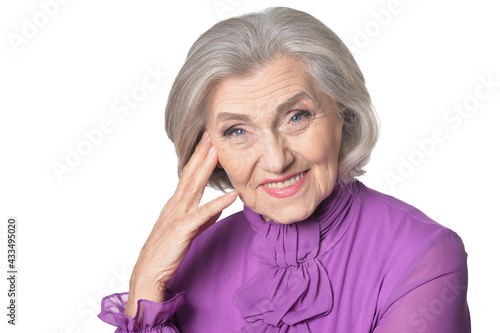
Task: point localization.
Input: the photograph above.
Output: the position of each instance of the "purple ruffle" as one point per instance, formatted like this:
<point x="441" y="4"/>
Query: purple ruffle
<point x="292" y="286"/>
<point x="150" y="316"/>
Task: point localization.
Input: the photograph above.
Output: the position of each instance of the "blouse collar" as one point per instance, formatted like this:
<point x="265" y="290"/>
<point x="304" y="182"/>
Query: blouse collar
<point x="292" y="286"/>
<point x="331" y="216"/>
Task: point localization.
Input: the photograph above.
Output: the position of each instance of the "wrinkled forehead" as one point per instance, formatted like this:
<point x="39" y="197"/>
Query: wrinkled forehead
<point x="281" y="83"/>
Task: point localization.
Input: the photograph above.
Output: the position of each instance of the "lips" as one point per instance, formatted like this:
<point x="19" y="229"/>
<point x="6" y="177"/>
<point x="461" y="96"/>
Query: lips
<point x="286" y="186"/>
<point x="286" y="183"/>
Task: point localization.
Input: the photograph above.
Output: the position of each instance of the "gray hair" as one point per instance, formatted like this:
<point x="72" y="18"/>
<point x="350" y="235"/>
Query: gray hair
<point x="244" y="45"/>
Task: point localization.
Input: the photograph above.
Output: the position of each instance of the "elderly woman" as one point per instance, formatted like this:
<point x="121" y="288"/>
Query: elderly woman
<point x="273" y="105"/>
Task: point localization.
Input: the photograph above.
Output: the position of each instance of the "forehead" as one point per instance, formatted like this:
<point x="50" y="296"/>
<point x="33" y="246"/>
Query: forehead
<point x="267" y="89"/>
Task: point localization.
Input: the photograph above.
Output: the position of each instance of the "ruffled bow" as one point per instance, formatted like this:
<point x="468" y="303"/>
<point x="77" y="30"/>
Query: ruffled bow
<point x="292" y="287"/>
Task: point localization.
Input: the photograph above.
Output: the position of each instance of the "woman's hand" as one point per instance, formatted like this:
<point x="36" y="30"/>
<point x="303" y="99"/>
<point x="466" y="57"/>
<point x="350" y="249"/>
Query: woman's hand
<point x="180" y="221"/>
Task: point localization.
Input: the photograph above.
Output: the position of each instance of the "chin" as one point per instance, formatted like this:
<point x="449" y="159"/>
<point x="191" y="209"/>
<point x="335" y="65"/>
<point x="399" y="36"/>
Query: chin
<point x="291" y="215"/>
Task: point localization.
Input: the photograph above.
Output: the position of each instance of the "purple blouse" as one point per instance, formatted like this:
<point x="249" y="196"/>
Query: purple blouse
<point x="362" y="262"/>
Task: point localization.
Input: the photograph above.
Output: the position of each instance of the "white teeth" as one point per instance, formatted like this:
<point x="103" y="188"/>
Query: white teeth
<point x="287" y="183"/>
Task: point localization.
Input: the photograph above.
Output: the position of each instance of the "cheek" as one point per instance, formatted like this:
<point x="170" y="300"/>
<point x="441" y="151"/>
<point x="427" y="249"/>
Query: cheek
<point x="235" y="163"/>
<point x="330" y="138"/>
<point x="319" y="147"/>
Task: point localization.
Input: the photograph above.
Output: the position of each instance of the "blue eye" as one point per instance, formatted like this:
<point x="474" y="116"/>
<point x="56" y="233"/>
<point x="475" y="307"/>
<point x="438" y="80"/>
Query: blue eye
<point x="234" y="131"/>
<point x="298" y="116"/>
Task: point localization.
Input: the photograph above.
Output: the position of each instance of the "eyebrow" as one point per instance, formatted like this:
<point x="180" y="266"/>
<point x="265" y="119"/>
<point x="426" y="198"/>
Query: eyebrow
<point x="289" y="103"/>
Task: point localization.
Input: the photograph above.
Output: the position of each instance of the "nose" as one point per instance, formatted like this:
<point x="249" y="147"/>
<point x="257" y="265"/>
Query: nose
<point x="275" y="153"/>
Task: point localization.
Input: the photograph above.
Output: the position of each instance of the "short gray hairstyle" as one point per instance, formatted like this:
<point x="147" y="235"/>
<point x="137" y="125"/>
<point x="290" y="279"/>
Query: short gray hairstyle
<point x="244" y="45"/>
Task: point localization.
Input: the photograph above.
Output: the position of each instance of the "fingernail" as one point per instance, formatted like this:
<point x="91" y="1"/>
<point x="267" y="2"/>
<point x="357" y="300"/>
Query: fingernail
<point x="211" y="151"/>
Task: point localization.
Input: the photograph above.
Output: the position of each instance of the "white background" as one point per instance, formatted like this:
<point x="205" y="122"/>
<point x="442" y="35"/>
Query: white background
<point x="79" y="236"/>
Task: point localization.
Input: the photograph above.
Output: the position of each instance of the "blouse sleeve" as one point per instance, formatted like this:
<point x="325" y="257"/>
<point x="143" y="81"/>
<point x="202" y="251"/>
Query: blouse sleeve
<point x="150" y="317"/>
<point x="431" y="296"/>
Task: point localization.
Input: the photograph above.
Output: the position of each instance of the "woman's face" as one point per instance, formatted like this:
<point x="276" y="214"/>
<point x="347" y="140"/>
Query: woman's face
<point x="278" y="138"/>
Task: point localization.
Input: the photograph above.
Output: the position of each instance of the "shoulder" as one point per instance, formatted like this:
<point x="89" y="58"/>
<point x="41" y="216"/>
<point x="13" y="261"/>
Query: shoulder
<point x="407" y="232"/>
<point x="391" y="214"/>
<point x="388" y="206"/>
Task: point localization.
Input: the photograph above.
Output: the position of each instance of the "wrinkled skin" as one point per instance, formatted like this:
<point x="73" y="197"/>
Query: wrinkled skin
<point x="273" y="141"/>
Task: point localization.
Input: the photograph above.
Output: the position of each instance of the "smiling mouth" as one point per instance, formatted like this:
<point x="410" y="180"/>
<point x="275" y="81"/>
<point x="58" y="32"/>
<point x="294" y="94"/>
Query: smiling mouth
<point x="288" y="182"/>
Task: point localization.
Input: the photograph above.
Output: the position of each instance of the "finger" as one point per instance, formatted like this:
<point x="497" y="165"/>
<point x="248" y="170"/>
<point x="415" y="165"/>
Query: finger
<point x="198" y="181"/>
<point x="208" y="224"/>
<point x="206" y="215"/>
<point x="198" y="155"/>
<point x="195" y="160"/>
<point x="192" y="183"/>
